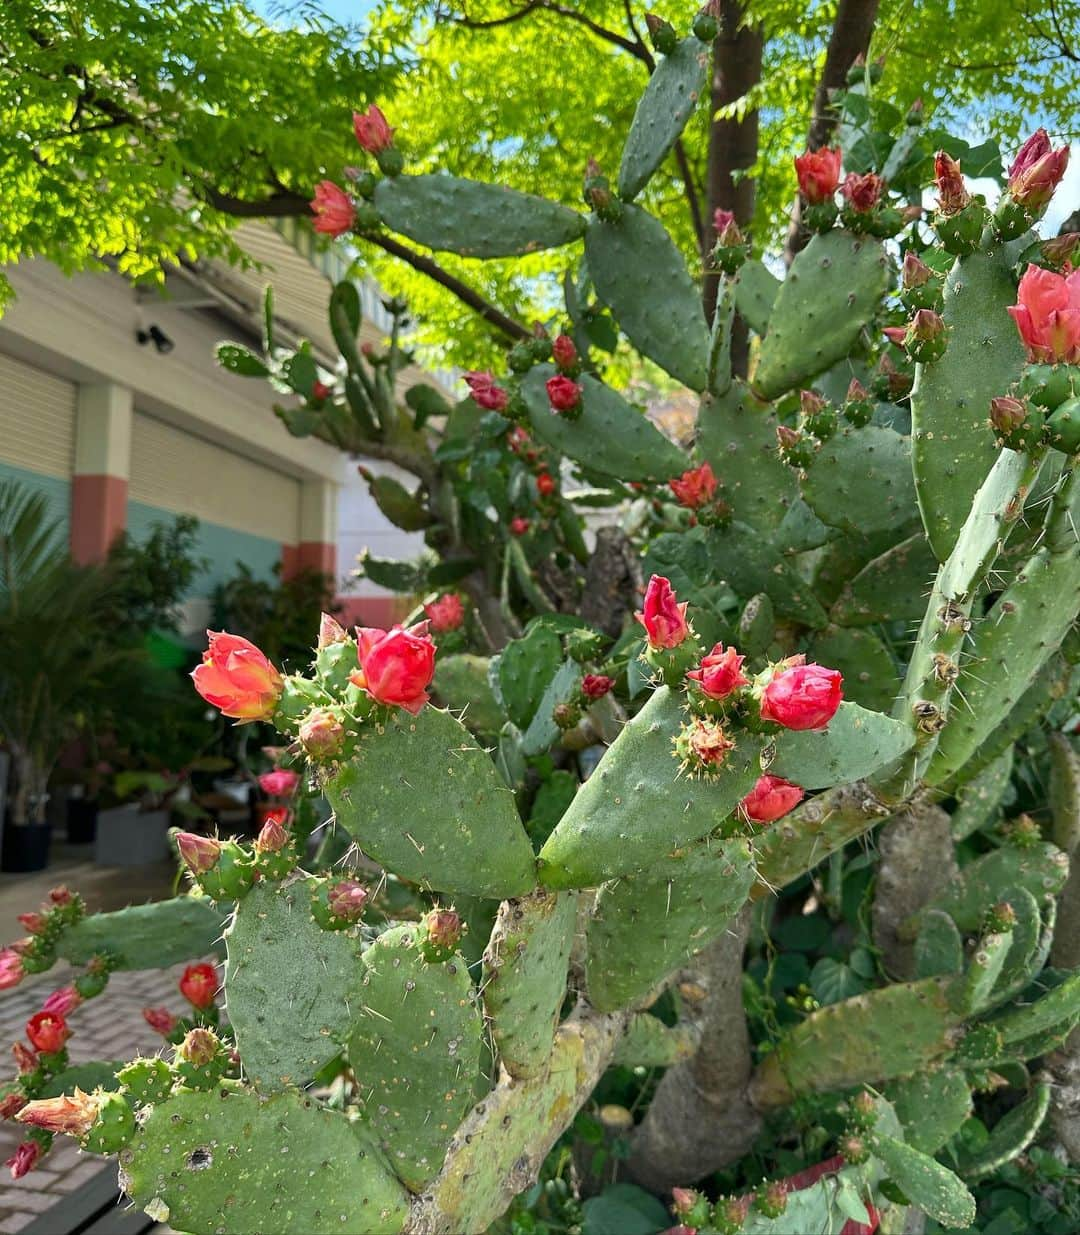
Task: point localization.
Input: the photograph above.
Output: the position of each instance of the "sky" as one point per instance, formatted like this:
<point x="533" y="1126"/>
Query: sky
<point x="340" y="10"/>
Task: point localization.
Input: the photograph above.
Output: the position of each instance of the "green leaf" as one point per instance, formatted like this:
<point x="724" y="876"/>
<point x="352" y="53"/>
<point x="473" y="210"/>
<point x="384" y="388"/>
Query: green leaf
<point x="624" y="1209"/>
<point x="832" y="981"/>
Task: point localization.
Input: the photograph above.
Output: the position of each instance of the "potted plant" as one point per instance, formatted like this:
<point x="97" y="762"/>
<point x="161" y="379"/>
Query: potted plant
<point x="53" y="659"/>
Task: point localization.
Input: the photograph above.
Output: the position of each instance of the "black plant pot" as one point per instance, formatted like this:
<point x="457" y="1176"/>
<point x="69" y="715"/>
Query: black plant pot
<point x="26" y="848"/>
<point x="82" y="816"/>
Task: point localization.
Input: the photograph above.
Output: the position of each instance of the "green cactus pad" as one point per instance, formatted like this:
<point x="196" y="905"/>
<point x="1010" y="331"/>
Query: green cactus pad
<point x="855" y="744"/>
<point x="932" y="1106"/>
<point x="231" y="1160"/>
<point x="649" y="1043"/>
<point x="474" y="219"/>
<point x="860" y="481"/>
<point x="522" y="670"/>
<point x="645" y="926"/>
<point x="832" y="290"/>
<point x="891" y="587"/>
<point x="756" y="289"/>
<point x="641" y="276"/>
<point x="524" y="976"/>
<point x="939" y="946"/>
<point x="926" y="1183"/>
<point x="291" y="987"/>
<point x="662" y="112"/>
<point x="1064" y="792"/>
<point x="887" y="1033"/>
<point x="743" y="559"/>
<point x="415" y="1049"/>
<point x="1030" y="945"/>
<point x="564" y="688"/>
<point x="978" y="801"/>
<point x="466" y="838"/>
<point x="1042" y="871"/>
<point x="609" y="435"/>
<point x="1058" y="1008"/>
<point x="868" y="667"/>
<point x="461" y="683"/>
<point x="972" y="991"/>
<point x="1009" y="647"/>
<point x="720" y="374"/>
<point x="152" y="936"/>
<point x="96" y="1074"/>
<point x="1010" y="1136"/>
<point x="736" y="436"/>
<point x="953" y="445"/>
<point x="800" y="529"/>
<point x="637" y="806"/>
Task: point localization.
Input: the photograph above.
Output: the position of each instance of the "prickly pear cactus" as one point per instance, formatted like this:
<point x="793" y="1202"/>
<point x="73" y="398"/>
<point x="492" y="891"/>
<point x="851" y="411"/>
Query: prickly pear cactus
<point x="594" y="760"/>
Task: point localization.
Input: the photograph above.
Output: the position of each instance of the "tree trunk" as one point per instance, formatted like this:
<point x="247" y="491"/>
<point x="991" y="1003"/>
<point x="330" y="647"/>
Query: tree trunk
<point x="733" y="145"/>
<point x="850" y="39"/>
<point x="701" y="1117"/>
<point x="917" y="862"/>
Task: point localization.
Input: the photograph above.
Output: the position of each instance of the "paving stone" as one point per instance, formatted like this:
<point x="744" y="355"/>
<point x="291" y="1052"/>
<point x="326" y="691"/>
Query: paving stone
<point x="15" y="1221"/>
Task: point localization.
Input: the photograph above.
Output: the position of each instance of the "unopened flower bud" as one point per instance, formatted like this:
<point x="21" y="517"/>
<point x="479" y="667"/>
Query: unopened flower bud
<point x="331" y="631"/>
<point x="1036" y="172"/>
<point x="442" y="934"/>
<point x="858" y="405"/>
<point x="1017" y="423"/>
<point x="160" y="1020"/>
<point x="596" y="685"/>
<point x="662" y="33"/>
<point x="926" y="337"/>
<point x="1060" y="250"/>
<point x="952" y="192"/>
<point x="565" y="354"/>
<point x="772" y="1199"/>
<point x="199" y="853"/>
<point x="11" y="1104"/>
<point x="272" y="837"/>
<point x="321" y="734"/>
<point x="795" y="448"/>
<point x="347" y="899"/>
<point x="199" y="1047"/>
<point x="999" y="918"/>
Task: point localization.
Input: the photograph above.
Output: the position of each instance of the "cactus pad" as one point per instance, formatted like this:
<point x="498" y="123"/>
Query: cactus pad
<point x="892" y="586"/>
<point x="1011" y="1135"/>
<point x="855" y="744"/>
<point x="926" y="1183"/>
<point x="467" y="838"/>
<point x="931" y="1106"/>
<point x="461" y="682"/>
<point x="152" y="936"/>
<point x="939" y="946"/>
<point x="860" y="481"/>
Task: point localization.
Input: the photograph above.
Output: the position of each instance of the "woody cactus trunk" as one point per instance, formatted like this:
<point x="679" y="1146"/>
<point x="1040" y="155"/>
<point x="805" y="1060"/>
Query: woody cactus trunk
<point x="862" y="604"/>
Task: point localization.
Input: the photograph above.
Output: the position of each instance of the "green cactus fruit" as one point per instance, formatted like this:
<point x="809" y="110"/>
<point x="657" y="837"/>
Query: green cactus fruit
<point x="640" y="275"/>
<point x="114" y="1128"/>
<point x="439" y="936"/>
<point x="148" y="1081"/>
<point x="152" y="936"/>
<point x="524" y="976"/>
<point x="609" y="435"/>
<point x="200" y="1060"/>
<point x="281" y="961"/>
<point x="939" y="946"/>
<point x="867" y="665"/>
<point x="644" y="926"/>
<point x="1063" y="427"/>
<point x="666" y="105"/>
<point x="887" y="1033"/>
<point x="231" y="875"/>
<point x="415" y="1047"/>
<point x="932" y="1106"/>
<point x="230" y="1160"/>
<point x="926" y="1183"/>
<point x="831" y="292"/>
<point x="855" y="744"/>
<point x="461" y="684"/>
<point x="861" y="481"/>
<point x="466" y="839"/>
<point x="636" y="807"/>
<point x="743" y="559"/>
<point x="649" y="1043"/>
<point x="1010" y="1136"/>
<point x="736" y="436"/>
<point x="952" y="447"/>
<point x="474" y="219"/>
<point x="978" y="801"/>
<point x="756" y="289"/>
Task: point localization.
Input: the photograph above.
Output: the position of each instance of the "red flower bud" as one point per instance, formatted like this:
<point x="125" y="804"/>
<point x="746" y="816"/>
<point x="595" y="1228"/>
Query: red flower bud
<point x="801" y="696"/>
<point x="518" y="439"/>
<point x="61" y="896"/>
<point x="564" y="353"/>
<point x="915" y="272"/>
<point x="280" y="783"/>
<point x="720" y="673"/>
<point x="663" y="618"/>
<point x="396" y="665"/>
<point x="771" y="797"/>
<point x="331" y="631"/>
<point x="445" y="613"/>
<point x="33" y="923"/>
<point x="321" y="735"/>
<point x="272" y="837"/>
<point x="811" y="403"/>
<point x="199" y="984"/>
<point x="320" y="391"/>
<point x="237" y="678"/>
<point x="596" y="685"/>
<point x="199" y="1047"/>
<point x="564" y="394"/>
<point x="728" y="232"/>
<point x="24" y="1159"/>
<point x="1007" y="413"/>
<point x="11" y="969"/>
<point x="347" y="899"/>
<point x="160" y="1020"/>
<point x="1037" y="171"/>
<point x="895" y="334"/>
<point x="199" y="853"/>
<point x="62" y="1002"/>
<point x="74" y="1114"/>
<point x="696" y="487"/>
<point x="1048" y="315"/>
<point x="862" y="192"/>
<point x="444" y="928"/>
<point x="333" y="210"/>
<point x="485" y="392"/>
<point x="952" y="192"/>
<point x="819" y="174"/>
<point x="372" y="130"/>
<point x="519" y="526"/>
<point x="546" y="484"/>
<point x="47" y="1032"/>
